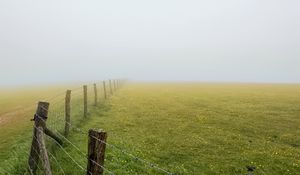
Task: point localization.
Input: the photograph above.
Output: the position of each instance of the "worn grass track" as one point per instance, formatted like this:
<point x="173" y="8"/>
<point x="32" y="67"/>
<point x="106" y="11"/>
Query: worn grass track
<point x="195" y="129"/>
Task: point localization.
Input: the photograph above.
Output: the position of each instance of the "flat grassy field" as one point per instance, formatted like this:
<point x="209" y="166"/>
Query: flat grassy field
<point x="183" y="128"/>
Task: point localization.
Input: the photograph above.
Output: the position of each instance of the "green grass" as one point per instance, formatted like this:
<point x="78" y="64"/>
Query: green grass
<point x="189" y="129"/>
<point x="17" y="108"/>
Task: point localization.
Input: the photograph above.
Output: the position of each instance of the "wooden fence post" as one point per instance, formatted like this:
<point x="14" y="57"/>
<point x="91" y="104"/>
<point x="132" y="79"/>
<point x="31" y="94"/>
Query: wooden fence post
<point x="67" y="112"/>
<point x="85" y="100"/>
<point x="104" y="89"/>
<point x="39" y="124"/>
<point x="96" y="152"/>
<point x="110" y="87"/>
<point x="96" y="94"/>
<point x="43" y="151"/>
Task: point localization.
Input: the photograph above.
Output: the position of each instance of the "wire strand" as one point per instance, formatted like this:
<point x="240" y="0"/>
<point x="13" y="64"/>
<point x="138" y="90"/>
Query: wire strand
<point x="66" y="153"/>
<point x="149" y="164"/>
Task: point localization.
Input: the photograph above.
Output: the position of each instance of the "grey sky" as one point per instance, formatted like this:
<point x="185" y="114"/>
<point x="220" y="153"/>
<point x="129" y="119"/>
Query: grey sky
<point x="211" y="40"/>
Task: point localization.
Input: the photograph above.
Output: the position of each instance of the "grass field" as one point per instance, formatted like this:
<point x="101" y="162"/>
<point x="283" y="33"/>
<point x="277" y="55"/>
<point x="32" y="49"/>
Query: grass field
<point x="184" y="128"/>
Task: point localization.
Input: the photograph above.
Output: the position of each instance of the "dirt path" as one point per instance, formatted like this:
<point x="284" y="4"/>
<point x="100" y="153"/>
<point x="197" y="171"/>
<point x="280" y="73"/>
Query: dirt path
<point x="9" y="116"/>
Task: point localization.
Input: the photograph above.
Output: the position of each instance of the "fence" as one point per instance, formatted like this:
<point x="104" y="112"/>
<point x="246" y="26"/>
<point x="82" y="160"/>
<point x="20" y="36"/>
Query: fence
<point x="58" y="122"/>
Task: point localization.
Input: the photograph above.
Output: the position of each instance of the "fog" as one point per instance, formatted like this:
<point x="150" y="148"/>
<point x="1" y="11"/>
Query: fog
<point x="159" y="40"/>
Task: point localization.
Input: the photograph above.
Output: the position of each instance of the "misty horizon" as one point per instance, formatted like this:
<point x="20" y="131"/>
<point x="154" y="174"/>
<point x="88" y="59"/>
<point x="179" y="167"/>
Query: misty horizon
<point x="174" y="41"/>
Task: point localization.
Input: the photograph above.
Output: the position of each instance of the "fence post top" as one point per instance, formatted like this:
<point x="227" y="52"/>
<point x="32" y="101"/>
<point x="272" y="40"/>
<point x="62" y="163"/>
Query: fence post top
<point x="96" y="131"/>
<point x="43" y="103"/>
<point x="42" y="109"/>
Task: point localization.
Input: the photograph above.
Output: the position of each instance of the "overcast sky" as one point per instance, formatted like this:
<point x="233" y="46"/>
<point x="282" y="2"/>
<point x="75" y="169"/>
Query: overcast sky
<point x="210" y="40"/>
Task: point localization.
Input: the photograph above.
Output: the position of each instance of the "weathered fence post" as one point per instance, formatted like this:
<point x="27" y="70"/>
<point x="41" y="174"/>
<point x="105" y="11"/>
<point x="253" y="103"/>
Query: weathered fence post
<point x="104" y="89"/>
<point x="43" y="151"/>
<point x="110" y="87"/>
<point x="96" y="94"/>
<point x="39" y="125"/>
<point x="67" y="112"/>
<point x="96" y="152"/>
<point x="38" y="146"/>
<point x="85" y="100"/>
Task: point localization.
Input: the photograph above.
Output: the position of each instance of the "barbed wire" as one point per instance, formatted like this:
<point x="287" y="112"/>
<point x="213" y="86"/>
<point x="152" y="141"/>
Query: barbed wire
<point x="61" y="94"/>
<point x="135" y="157"/>
<point x="56" y="100"/>
<point x="152" y="165"/>
<point x="30" y="170"/>
<point x="83" y="154"/>
<point x="77" y="92"/>
<point x="56" y="162"/>
<point x="149" y="164"/>
<point x="54" y="123"/>
<point x="63" y="151"/>
<point x="48" y="153"/>
<point x="105" y="169"/>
